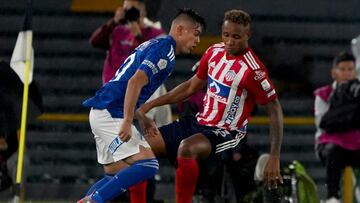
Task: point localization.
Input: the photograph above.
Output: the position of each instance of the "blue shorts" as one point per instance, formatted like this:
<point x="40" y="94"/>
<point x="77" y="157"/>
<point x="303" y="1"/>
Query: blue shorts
<point x="221" y="140"/>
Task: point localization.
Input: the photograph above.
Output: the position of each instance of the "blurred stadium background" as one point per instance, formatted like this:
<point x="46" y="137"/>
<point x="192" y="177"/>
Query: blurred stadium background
<point x="296" y="40"/>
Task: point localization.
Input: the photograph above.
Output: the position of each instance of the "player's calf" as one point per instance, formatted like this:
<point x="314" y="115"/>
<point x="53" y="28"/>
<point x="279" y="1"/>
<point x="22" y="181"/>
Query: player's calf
<point x="136" y="173"/>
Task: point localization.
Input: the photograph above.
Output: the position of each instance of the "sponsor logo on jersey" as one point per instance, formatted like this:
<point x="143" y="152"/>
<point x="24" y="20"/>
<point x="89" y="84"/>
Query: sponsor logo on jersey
<point x="217" y="90"/>
<point x="232" y="111"/>
<point x="151" y="66"/>
<point x="214" y="87"/>
<point x="265" y="85"/>
<point x="259" y="75"/>
<point x="162" y="64"/>
<point x="230" y="75"/>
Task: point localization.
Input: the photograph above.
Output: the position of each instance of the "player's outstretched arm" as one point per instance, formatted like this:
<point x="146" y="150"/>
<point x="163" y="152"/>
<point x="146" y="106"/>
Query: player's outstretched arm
<point x="179" y="93"/>
<point x="272" y="175"/>
<point x="135" y="84"/>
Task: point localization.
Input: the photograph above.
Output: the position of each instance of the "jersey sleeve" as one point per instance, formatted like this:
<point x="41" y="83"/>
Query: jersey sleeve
<point x="157" y="59"/>
<point x="260" y="86"/>
<point x="202" y="70"/>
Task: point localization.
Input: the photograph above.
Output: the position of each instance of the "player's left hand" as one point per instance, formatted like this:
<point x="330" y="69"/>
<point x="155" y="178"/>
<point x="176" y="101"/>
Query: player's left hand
<point x="146" y="124"/>
<point x="150" y="129"/>
<point x="125" y="131"/>
<point x="272" y="176"/>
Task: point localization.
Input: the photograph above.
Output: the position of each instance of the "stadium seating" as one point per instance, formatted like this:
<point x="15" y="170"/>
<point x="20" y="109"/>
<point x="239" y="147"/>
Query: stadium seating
<point x="301" y="37"/>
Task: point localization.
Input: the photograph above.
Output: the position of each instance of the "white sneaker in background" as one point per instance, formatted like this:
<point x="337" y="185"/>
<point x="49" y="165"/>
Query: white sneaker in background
<point x="260" y="167"/>
<point x="332" y="200"/>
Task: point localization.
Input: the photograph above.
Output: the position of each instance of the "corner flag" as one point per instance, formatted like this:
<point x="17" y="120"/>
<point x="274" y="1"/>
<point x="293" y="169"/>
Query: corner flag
<point x="23" y="50"/>
<point x="22" y="63"/>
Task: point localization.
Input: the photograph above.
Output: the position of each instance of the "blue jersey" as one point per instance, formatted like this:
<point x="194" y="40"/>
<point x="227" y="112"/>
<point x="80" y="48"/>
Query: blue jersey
<point x="155" y="57"/>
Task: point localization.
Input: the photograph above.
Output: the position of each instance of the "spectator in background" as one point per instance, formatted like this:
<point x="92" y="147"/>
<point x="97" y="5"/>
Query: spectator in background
<point x="119" y="36"/>
<point x="11" y="94"/>
<point x="241" y="169"/>
<point x="8" y="141"/>
<point x="340" y="149"/>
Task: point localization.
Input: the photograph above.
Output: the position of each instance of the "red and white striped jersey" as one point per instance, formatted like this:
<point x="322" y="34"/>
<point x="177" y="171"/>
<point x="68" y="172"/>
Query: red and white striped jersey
<point x="234" y="85"/>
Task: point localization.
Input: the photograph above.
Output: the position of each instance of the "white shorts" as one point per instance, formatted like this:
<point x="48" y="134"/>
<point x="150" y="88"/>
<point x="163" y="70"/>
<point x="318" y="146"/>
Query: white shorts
<point x="109" y="147"/>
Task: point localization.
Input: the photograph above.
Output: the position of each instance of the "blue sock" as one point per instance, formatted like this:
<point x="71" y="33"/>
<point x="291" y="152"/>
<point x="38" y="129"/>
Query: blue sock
<point x="99" y="184"/>
<point x="136" y="173"/>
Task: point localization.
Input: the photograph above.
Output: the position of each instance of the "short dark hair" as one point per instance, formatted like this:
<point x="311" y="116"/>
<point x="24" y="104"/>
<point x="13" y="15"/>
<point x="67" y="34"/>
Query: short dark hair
<point x="193" y="15"/>
<point x="237" y="16"/>
<point x="343" y="56"/>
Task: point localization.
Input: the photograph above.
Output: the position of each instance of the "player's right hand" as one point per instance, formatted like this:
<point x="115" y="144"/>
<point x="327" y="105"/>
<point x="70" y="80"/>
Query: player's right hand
<point x="125" y="131"/>
<point x="272" y="176"/>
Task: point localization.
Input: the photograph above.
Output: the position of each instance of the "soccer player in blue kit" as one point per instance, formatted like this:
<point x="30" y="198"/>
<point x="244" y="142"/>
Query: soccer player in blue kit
<point x="124" y="153"/>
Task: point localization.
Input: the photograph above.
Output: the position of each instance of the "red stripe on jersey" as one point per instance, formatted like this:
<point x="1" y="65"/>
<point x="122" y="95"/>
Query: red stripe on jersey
<point x="223" y="65"/>
<point x="209" y="101"/>
<point x="246" y="111"/>
<point x="219" y="114"/>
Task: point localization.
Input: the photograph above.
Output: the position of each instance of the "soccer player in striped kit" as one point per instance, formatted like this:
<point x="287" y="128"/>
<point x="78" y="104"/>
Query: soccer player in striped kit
<point x="124" y="153"/>
<point x="236" y="80"/>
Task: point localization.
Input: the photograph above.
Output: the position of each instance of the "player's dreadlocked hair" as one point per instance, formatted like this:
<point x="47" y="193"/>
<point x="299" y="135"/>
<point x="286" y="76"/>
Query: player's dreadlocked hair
<point x="193" y="15"/>
<point x="238" y="16"/>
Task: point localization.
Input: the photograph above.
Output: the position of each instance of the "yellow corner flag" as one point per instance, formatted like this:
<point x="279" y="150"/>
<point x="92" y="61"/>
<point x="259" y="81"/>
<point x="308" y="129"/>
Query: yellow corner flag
<point x="22" y="63"/>
<point x="23" y="50"/>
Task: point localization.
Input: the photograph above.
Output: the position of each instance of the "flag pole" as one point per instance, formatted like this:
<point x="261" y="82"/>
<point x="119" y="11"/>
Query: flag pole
<point x="21" y="151"/>
<point x="28" y="56"/>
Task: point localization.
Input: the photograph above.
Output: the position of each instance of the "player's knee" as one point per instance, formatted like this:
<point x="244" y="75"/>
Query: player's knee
<point x="186" y="149"/>
<point x="115" y="167"/>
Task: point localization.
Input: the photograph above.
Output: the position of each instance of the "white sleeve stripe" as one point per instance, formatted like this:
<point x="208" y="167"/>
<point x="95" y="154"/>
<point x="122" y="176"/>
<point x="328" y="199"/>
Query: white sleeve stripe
<point x="171" y="52"/>
<point x="249" y="62"/>
<point x="172" y="58"/>
<point x="251" y="57"/>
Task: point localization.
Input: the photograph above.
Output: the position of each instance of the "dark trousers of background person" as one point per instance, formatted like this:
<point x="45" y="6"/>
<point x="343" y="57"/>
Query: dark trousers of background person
<point x="210" y="180"/>
<point x="242" y="171"/>
<point x="335" y="159"/>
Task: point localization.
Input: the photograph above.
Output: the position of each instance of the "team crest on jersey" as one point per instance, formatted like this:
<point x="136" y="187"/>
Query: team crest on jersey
<point x="162" y="64"/>
<point x="230" y="75"/>
<point x="218" y="91"/>
<point x="259" y="75"/>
